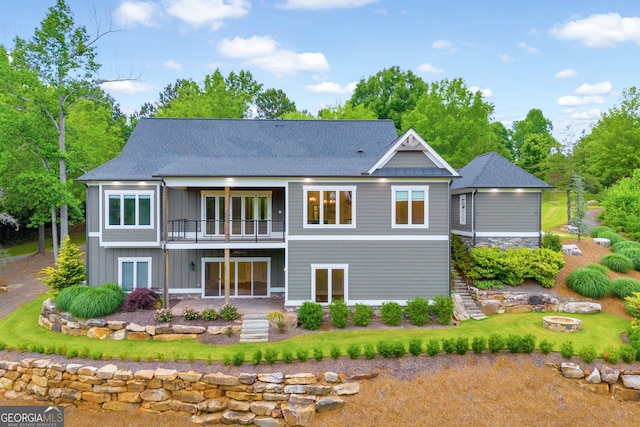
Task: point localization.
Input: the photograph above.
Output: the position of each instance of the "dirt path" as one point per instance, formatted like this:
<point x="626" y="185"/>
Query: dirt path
<point x="19" y="276"/>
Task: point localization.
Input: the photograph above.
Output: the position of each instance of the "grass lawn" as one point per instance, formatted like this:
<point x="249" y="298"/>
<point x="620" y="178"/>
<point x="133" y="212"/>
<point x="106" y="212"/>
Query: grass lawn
<point x="554" y="209"/>
<point x="601" y="330"/>
<point x="31" y="247"/>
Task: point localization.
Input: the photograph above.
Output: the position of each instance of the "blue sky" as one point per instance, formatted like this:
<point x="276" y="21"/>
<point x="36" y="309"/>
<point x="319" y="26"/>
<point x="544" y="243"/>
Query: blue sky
<point x="569" y="58"/>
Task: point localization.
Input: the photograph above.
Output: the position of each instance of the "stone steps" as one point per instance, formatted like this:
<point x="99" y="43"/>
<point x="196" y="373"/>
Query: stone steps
<point x="470" y="305"/>
<point x="255" y="328"/>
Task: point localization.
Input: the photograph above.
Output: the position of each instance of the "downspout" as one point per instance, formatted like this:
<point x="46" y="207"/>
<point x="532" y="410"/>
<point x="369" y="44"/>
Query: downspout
<point x="165" y="233"/>
<point x="473" y="216"/>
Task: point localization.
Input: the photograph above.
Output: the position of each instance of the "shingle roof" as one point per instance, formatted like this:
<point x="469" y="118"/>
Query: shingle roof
<point x="237" y="147"/>
<point x="491" y="170"/>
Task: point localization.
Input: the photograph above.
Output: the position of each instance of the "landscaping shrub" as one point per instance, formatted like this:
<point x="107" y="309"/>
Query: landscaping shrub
<point x="433" y="347"/>
<point x="310" y="315"/>
<point x="353" y="351"/>
<point x="462" y="345"/>
<point x="415" y="346"/>
<point x="544" y="264"/>
<point x="496" y="343"/>
<point x="271" y="355"/>
<point x="302" y="354"/>
<point x="389" y="349"/>
<point x="238" y="359"/>
<point x="339" y="313"/>
<point x="69" y="269"/>
<point x="443" y="309"/>
<point x="256" y="358"/>
<point x="514" y="343"/>
<point x="617" y="262"/>
<point x="190" y="313"/>
<point x="163" y="315"/>
<point x="625" y="244"/>
<point x="587" y="353"/>
<point x="628" y="353"/>
<point x="633" y="254"/>
<point x="611" y="354"/>
<point x="209" y="314"/>
<point x="624" y="287"/>
<point x="449" y="345"/>
<point x="460" y="256"/>
<point x="479" y="344"/>
<point x="528" y="343"/>
<point x="369" y="351"/>
<point x="67" y="295"/>
<point x="597" y="230"/>
<point x="277" y="318"/>
<point x="318" y="354"/>
<point x="362" y="315"/>
<point x="566" y="349"/>
<point x="552" y="241"/>
<point x="391" y="313"/>
<point x="418" y="311"/>
<point x="488" y="284"/>
<point x="589" y="282"/>
<point x="287" y="356"/>
<point x="140" y="299"/>
<point x="335" y="352"/>
<point x="96" y="302"/>
<point x="228" y="312"/>
<point x="601" y="268"/>
<point x="612" y="236"/>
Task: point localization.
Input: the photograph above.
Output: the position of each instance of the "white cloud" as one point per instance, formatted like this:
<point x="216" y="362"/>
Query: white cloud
<point x="331" y="87"/>
<point x="324" y="4"/>
<point x="601" y="30"/>
<point x="173" y="65"/>
<point x="572" y="101"/>
<point x="126" y="87"/>
<point x="486" y="93"/>
<point x="443" y="45"/>
<point x="382" y="11"/>
<point x="428" y="68"/>
<point x="567" y="73"/>
<point x="263" y="52"/>
<point x="135" y="13"/>
<point x="210" y="13"/>
<point x="593" y="114"/>
<point x="505" y="58"/>
<point x="603" y="88"/>
<point x="528" y="48"/>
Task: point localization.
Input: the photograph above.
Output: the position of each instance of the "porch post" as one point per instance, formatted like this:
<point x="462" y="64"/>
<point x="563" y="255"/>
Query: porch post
<point x="227" y="251"/>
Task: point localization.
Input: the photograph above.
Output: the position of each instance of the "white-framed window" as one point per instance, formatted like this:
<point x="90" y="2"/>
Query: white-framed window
<point x="410" y="206"/>
<point x="250" y="212"/>
<point x="129" y="209"/>
<point x="134" y="273"/>
<point x="463" y="209"/>
<point x="329" y="206"/>
<point x="329" y="282"/>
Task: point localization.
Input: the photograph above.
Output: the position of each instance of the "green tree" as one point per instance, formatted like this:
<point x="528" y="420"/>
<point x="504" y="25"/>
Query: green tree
<point x="533" y="142"/>
<point x="389" y="93"/>
<point x="273" y="103"/>
<point x="534" y="123"/>
<point x="69" y="271"/>
<point x="621" y="205"/>
<point x="503" y="136"/>
<point x="346" y="111"/>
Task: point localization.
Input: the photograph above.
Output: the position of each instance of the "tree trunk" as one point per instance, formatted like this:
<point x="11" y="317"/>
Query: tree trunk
<point x="64" y="209"/>
<point x="54" y="234"/>
<point x="41" y="239"/>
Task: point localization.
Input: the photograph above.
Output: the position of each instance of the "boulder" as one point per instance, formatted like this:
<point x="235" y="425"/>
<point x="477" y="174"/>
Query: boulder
<point x="299" y="415"/>
<point x="594" y="377"/>
<point x="582" y="307"/>
<point x="571" y="250"/>
<point x="242" y="418"/>
<point x="571" y="370"/>
<point x="347" y="388"/>
<point x="609" y="375"/>
<point x="631" y="381"/>
<point x="329" y="403"/>
<point x="459" y="313"/>
<point x="602" y="242"/>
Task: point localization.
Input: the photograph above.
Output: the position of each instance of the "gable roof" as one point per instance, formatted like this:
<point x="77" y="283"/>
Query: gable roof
<point x="491" y="170"/>
<point x="240" y="147"/>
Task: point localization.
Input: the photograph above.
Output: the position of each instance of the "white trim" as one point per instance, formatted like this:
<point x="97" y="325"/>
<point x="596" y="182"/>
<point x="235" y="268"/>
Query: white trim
<point x="247" y="244"/>
<point x="509" y="190"/>
<point x="184" y="291"/>
<point x="94" y="234"/>
<point x="410" y="189"/>
<point x="462" y="233"/>
<point x="324" y="188"/>
<point x="137" y="194"/>
<point x="265" y="182"/>
<point x="368" y="238"/>
<point x="344" y="267"/>
<point x="135" y="261"/>
<point x="376" y="303"/>
<point x="462" y="209"/>
<point x="130" y="244"/>
<point x="235" y="260"/>
<point x="219" y="222"/>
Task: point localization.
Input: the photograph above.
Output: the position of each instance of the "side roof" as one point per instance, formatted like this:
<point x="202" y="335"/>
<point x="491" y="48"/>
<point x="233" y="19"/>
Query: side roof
<point x="239" y="147"/>
<point x="491" y="170"/>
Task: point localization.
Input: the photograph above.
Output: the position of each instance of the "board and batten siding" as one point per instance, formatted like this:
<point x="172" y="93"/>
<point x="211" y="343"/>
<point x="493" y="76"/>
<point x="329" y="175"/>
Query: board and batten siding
<point x="378" y="270"/>
<point x="507" y="212"/>
<point x="410" y="159"/>
<point x="130" y="234"/>
<point x="455" y="213"/>
<point x="373" y="209"/>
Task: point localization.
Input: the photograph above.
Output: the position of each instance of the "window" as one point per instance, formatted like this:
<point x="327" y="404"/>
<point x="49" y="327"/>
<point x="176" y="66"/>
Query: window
<point x="129" y="209"/>
<point x="463" y="209"/>
<point x="250" y="213"/>
<point x="329" y="207"/>
<point x="134" y="273"/>
<point x="329" y="282"/>
<point x="410" y="207"/>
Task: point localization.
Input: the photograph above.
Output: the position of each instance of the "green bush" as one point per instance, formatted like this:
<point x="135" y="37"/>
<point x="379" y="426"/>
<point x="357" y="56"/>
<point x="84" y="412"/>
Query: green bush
<point x="418" y="311"/>
<point x="460" y="256"/>
<point x="552" y="241"/>
<point x="633" y="254"/>
<point x="389" y="349"/>
<point x="449" y="345"/>
<point x="601" y="268"/>
<point x="479" y="344"/>
<point x="624" y="287"/>
<point x="362" y="315"/>
<point x="488" y="284"/>
<point x="209" y="314"/>
<point x="190" y="313"/>
<point x="528" y="343"/>
<point x="335" y="352"/>
<point x="617" y="262"/>
<point x="625" y="244"/>
<point x="597" y="230"/>
<point x="310" y="315"/>
<point x="496" y="343"/>
<point x="611" y="354"/>
<point x="566" y="349"/>
<point x="391" y="313"/>
<point x="369" y="351"/>
<point x="589" y="282"/>
<point x="443" y="309"/>
<point x="587" y="353"/>
<point x="415" y="346"/>
<point x="628" y="353"/>
<point x="514" y="343"/>
<point x="339" y="313"/>
<point x="302" y="354"/>
<point x="96" y="302"/>
<point x="354" y="351"/>
<point x="228" y="312"/>
<point x="238" y="359"/>
<point x="433" y="347"/>
<point x="67" y="295"/>
<point x="612" y="236"/>
<point x="271" y="355"/>
<point x="544" y="264"/>
<point x="546" y="346"/>
<point x="256" y="358"/>
<point x="318" y="354"/>
<point x="287" y="356"/>
<point x="462" y="345"/>
<point x="69" y="270"/>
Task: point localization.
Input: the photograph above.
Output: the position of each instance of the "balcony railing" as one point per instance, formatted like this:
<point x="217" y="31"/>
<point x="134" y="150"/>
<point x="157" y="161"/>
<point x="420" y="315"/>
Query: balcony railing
<point x="258" y="230"/>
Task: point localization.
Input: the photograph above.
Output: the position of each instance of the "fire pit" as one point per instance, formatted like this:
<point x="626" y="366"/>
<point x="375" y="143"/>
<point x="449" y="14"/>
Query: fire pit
<point x="562" y="323"/>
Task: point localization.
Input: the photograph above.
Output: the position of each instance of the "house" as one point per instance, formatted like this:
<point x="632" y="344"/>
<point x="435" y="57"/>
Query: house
<point x="316" y="210"/>
<point x="496" y="203"/>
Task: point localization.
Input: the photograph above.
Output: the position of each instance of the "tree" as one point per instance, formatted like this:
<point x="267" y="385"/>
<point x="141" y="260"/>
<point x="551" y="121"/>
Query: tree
<point x="533" y="142"/>
<point x="69" y="271"/>
<point x="273" y="103"/>
<point x="347" y="111"/>
<point x="503" y="136"/>
<point x="621" y="203"/>
<point x="455" y="121"/>
<point x="389" y="94"/>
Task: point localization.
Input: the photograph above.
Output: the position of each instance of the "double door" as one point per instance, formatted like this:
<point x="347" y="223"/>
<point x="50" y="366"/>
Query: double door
<point x="249" y="277"/>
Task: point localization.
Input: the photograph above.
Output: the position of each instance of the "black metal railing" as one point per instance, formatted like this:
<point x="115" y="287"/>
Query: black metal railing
<point x="197" y="230"/>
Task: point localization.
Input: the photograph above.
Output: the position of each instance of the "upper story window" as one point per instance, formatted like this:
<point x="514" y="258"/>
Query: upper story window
<point x="463" y="209"/>
<point x="409" y="207"/>
<point x="329" y="206"/>
<point x="129" y="208"/>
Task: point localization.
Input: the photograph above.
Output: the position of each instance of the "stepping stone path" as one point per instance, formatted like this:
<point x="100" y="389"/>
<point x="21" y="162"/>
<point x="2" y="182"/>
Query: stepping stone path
<point x="255" y="328"/>
<point x="470" y="305"/>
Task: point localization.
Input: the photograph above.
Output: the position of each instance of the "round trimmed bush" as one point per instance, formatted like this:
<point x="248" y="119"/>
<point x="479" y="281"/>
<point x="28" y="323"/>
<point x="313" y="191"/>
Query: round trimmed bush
<point x="391" y="313"/>
<point x="596" y="231"/>
<point x="633" y="254"/>
<point x="96" y="302"/>
<point x="589" y="282"/>
<point x="617" y="262"/>
<point x="612" y="236"/>
<point x="552" y="241"/>
<point x="310" y="315"/>
<point x="67" y="295"/>
<point x="624" y="287"/>
<point x="625" y="244"/>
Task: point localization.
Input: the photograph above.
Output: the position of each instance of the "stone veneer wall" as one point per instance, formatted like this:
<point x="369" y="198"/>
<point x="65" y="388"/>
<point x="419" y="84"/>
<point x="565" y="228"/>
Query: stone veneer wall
<point x="501" y="242"/>
<point x="270" y="399"/>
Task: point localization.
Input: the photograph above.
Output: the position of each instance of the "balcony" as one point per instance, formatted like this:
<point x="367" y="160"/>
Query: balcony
<point x="199" y="230"/>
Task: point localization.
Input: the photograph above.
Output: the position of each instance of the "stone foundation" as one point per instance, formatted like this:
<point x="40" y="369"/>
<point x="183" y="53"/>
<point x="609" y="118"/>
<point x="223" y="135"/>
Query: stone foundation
<point x="501" y="242"/>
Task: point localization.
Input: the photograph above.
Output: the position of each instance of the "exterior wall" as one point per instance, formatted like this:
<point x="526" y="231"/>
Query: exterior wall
<point x="507" y="212"/>
<point x="455" y="213"/>
<point x="378" y="270"/>
<point x="129" y="234"/>
<point x="502" y="242"/>
<point x="409" y="159"/>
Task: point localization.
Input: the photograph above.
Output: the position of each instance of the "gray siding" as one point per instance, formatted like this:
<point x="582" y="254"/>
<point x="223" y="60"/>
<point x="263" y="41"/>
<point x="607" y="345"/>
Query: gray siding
<point x="131" y="234"/>
<point x="409" y="159"/>
<point x="378" y="271"/>
<point x="507" y="212"/>
<point x="373" y="210"/>
<point x="455" y="213"/>
<point x="92" y="206"/>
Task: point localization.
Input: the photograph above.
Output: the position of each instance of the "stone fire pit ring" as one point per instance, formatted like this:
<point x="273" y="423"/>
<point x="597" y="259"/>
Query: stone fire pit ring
<point x="562" y="323"/>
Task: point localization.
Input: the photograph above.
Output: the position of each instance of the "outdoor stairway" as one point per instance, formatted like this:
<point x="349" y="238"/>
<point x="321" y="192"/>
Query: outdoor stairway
<point x="470" y="306"/>
<point x="255" y="328"/>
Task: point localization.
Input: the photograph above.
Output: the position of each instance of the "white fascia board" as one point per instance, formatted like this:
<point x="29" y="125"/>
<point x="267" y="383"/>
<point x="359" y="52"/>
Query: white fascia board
<point x="225" y="182"/>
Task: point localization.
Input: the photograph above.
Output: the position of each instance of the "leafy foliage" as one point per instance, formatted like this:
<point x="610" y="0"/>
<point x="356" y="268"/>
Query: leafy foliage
<point x="552" y="241"/>
<point x="443" y="309"/>
<point x="228" y="312"/>
<point x="479" y="344"/>
<point x="433" y="347"/>
<point x="362" y="315"/>
<point x="310" y="315"/>
<point x="339" y="313"/>
<point x="612" y="236"/>
<point x="391" y="313"/>
<point x="163" y="315"/>
<point x="617" y="262"/>
<point x="589" y="282"/>
<point x="69" y="271"/>
<point x="587" y="353"/>
<point x="625" y="244"/>
<point x="462" y="345"/>
<point x="387" y="348"/>
<point x="566" y="349"/>
<point x="209" y="314"/>
<point x="599" y="229"/>
<point x="632" y="306"/>
<point x="496" y="343"/>
<point x="632" y="254"/>
<point x="140" y="299"/>
<point x="190" y="313"/>
<point x="415" y="346"/>
<point x="67" y="295"/>
<point x="417" y="310"/>
<point x="460" y="256"/>
<point x="354" y="351"/>
<point x="96" y="302"/>
<point x="546" y="346"/>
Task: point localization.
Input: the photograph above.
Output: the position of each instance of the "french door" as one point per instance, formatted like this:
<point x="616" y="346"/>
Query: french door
<point x="249" y="277"/>
<point x="249" y="214"/>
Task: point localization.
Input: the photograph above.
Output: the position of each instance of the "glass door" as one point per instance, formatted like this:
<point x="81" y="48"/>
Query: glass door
<point x="248" y="277"/>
